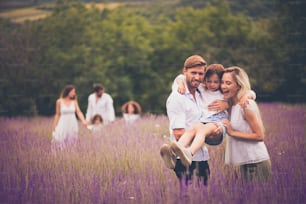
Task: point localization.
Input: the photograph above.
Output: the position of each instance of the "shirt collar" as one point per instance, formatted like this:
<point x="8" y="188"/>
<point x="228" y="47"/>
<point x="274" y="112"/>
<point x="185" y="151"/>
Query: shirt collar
<point x="197" y="93"/>
<point x="198" y="90"/>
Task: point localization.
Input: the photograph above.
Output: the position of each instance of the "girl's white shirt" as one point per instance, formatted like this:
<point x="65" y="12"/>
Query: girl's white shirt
<point x="130" y="118"/>
<point x="209" y="97"/>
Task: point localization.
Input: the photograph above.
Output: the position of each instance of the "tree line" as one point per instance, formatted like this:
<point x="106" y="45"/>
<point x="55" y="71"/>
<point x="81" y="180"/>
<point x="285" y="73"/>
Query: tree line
<point x="136" y="52"/>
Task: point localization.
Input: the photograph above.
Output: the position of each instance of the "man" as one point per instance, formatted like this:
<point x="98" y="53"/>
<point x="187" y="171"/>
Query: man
<point x="184" y="110"/>
<point x="100" y="103"/>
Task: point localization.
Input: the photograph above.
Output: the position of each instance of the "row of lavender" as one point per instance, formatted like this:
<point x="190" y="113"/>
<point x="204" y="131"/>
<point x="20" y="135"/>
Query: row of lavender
<point x="123" y="165"/>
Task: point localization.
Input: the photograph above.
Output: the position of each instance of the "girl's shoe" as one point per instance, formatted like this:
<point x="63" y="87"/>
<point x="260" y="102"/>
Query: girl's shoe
<point x="182" y="152"/>
<point x="168" y="156"/>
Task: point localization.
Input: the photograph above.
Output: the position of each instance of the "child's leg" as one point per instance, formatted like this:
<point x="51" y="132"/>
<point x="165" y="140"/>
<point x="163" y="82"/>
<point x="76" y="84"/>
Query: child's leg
<point x="202" y="130"/>
<point x="188" y="136"/>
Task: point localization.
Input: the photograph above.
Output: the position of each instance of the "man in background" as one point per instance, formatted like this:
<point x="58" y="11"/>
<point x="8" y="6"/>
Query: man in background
<point x="100" y="103"/>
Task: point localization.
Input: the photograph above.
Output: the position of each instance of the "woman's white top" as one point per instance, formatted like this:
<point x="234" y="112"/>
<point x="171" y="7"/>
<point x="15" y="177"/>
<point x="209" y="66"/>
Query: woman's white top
<point x="67" y="126"/>
<point x="242" y="151"/>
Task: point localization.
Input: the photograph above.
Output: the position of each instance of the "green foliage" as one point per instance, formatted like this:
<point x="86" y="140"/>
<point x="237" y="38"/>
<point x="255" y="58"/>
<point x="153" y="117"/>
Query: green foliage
<point x="136" y="52"/>
<point x="288" y="32"/>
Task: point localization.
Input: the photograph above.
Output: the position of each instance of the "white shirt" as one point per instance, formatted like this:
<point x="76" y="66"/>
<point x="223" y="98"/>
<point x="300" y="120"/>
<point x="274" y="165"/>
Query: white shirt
<point x="103" y="106"/>
<point x="208" y="98"/>
<point x="130" y="118"/>
<point x="242" y="151"/>
<point x="183" y="111"/>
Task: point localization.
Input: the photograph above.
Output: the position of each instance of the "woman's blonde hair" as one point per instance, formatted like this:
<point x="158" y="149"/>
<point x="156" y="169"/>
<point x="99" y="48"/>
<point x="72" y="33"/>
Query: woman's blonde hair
<point x="241" y="78"/>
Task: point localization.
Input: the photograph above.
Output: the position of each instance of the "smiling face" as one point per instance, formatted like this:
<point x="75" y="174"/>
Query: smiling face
<point x="229" y="86"/>
<point x="194" y="76"/>
<point x="212" y="83"/>
<point x="72" y="94"/>
<point x="130" y="109"/>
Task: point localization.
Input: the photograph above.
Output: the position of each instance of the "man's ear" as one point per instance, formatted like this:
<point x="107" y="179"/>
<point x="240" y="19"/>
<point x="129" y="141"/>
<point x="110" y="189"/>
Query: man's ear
<point x="184" y="70"/>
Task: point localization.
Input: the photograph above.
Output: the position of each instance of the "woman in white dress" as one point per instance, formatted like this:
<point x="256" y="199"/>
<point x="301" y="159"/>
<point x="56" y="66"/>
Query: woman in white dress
<point x="245" y="145"/>
<point x="65" y="125"/>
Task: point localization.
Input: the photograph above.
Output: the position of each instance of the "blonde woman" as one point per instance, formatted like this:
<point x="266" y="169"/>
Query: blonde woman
<point x="245" y="145"/>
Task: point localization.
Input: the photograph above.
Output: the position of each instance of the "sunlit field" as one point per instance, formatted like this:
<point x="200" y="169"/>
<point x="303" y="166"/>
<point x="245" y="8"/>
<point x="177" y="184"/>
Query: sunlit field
<point x="20" y="15"/>
<point x="123" y="165"/>
<point x="23" y="14"/>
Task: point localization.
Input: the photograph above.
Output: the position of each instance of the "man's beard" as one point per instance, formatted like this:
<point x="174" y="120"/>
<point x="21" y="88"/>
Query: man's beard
<point x="194" y="84"/>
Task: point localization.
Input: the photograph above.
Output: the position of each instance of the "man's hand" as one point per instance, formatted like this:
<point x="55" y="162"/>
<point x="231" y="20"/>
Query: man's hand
<point x="178" y="133"/>
<point x="218" y="105"/>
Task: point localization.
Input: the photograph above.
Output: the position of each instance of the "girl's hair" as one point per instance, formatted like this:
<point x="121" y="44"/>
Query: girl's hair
<point x="214" y="69"/>
<point x="66" y="90"/>
<point x="241" y="78"/>
<point x="137" y="108"/>
<point x="96" y="117"/>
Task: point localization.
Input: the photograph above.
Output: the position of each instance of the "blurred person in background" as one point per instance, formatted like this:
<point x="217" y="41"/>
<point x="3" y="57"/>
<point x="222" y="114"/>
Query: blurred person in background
<point x="131" y="111"/>
<point x="245" y="145"/>
<point x="100" y="103"/>
<point x="65" y="125"/>
<point x="96" y="125"/>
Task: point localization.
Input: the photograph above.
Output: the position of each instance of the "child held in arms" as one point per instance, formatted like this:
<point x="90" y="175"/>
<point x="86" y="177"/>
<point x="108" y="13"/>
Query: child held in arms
<point x="204" y="131"/>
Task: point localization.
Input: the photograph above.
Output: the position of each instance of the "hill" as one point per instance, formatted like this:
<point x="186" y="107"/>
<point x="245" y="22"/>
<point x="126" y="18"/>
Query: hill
<point x="20" y="12"/>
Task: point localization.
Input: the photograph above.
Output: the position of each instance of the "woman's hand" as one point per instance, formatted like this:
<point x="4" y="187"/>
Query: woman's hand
<point x="85" y="122"/>
<point x="228" y="126"/>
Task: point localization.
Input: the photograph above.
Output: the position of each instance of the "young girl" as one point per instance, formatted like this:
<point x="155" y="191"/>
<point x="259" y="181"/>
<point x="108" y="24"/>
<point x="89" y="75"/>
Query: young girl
<point x="245" y="145"/>
<point x="96" y="125"/>
<point x="131" y="112"/>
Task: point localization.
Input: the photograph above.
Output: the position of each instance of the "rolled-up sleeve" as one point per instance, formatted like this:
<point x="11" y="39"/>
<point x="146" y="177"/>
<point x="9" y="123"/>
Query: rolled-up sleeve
<point x="175" y="111"/>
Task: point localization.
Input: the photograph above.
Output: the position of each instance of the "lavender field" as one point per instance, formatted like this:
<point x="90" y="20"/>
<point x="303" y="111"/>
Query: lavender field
<point x="123" y="164"/>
